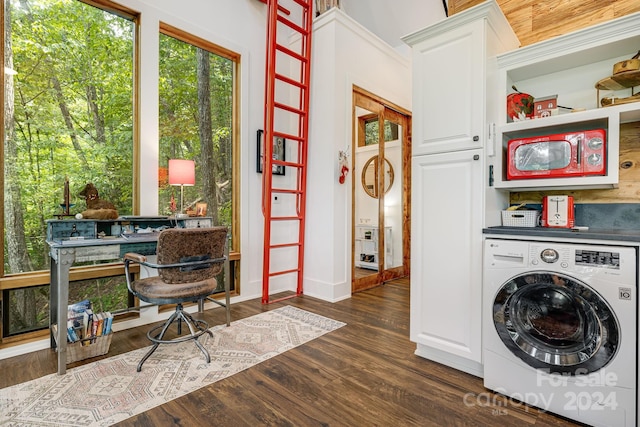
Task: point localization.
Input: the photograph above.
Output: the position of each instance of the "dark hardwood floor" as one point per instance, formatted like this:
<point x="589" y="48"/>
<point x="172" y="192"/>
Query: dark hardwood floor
<point x="364" y="374"/>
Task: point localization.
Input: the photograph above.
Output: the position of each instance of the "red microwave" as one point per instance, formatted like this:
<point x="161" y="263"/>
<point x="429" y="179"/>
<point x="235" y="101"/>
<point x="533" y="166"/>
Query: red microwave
<point x="560" y="155"/>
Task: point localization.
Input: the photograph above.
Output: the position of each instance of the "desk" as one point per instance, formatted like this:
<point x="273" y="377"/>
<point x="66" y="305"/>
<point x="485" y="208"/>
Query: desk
<point x="88" y="246"/>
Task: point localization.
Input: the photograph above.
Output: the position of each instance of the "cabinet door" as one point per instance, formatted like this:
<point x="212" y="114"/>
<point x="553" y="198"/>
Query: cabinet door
<point x="446" y="252"/>
<point x="448" y="97"/>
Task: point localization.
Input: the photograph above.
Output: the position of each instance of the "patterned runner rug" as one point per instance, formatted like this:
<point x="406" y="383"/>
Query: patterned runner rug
<point x="110" y="390"/>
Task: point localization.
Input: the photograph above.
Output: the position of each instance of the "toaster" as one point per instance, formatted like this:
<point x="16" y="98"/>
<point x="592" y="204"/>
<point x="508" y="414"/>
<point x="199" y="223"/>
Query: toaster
<point x="558" y="212"/>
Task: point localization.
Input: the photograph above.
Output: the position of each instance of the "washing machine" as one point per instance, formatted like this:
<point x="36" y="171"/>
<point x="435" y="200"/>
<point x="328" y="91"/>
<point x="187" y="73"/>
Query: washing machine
<point x="560" y="327"/>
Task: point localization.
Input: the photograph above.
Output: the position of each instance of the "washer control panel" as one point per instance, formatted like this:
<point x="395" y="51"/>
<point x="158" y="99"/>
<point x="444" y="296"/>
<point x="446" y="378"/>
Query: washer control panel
<point x="598" y="258"/>
<point x="565" y="256"/>
<point x="541" y="255"/>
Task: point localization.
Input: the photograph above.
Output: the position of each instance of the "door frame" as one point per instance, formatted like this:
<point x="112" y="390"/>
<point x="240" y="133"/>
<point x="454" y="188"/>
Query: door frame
<point x="365" y="99"/>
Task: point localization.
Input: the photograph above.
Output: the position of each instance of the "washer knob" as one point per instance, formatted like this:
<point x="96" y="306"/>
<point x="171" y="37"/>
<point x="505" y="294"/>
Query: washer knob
<point x="549" y="256"/>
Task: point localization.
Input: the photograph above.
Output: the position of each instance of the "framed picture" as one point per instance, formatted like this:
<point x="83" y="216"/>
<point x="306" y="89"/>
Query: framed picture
<point x="201" y="209"/>
<point x="279" y="145"/>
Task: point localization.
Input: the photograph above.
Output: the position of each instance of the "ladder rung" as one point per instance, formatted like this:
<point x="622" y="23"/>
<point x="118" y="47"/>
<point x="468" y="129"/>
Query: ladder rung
<point x="303" y="3"/>
<point x="289" y="108"/>
<point x="291" y="53"/>
<point x="284" y="163"/>
<point x="285" y="191"/>
<point x="288" y="136"/>
<point x="284" y="245"/>
<point x="290" y="81"/>
<point x="292" y="25"/>
<point x="286" y="218"/>
<point x="279" y="273"/>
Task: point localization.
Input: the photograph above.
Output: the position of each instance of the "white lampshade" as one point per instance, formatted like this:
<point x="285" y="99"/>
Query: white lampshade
<point x="182" y="172"/>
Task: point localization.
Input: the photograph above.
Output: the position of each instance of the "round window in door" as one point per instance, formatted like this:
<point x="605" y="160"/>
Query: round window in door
<point x="554" y="322"/>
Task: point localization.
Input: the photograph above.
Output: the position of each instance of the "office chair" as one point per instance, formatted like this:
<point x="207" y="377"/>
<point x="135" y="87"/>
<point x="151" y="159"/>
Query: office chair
<point x="188" y="262"/>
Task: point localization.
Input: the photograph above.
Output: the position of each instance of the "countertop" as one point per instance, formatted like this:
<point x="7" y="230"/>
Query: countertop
<point x="620" y="235"/>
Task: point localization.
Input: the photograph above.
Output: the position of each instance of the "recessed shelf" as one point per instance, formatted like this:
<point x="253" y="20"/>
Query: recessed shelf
<point x="574" y="67"/>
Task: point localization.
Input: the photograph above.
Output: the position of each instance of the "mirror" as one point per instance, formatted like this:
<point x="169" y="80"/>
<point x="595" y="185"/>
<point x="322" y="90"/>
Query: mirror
<point x="370" y="176"/>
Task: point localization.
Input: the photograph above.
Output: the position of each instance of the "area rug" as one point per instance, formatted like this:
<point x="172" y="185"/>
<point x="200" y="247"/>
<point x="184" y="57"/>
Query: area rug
<point x="104" y="392"/>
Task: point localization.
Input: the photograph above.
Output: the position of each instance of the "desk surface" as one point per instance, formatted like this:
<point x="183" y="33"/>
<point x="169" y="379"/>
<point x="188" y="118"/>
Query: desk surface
<point x="109" y="240"/>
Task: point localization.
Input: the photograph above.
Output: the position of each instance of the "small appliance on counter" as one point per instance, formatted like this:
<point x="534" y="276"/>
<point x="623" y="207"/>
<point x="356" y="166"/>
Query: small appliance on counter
<point x="558" y="212"/>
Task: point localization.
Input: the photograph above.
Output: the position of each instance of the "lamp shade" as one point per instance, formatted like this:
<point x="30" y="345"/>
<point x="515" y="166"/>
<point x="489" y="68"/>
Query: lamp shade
<point x="182" y="172"/>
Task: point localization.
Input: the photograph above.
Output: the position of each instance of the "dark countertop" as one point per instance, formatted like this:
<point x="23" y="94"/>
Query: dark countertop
<point x="620" y="235"/>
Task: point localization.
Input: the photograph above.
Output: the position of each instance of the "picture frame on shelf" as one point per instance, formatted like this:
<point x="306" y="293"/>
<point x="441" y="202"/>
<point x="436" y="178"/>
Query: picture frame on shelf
<point x="201" y="209"/>
<point x="279" y="149"/>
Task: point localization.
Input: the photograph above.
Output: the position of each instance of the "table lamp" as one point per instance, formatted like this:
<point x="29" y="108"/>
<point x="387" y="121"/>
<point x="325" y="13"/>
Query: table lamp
<point x="182" y="172"/>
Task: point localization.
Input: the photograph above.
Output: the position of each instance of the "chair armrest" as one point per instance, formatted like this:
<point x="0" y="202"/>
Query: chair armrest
<point x="131" y="256"/>
<point x="141" y="259"/>
<point x="186" y="263"/>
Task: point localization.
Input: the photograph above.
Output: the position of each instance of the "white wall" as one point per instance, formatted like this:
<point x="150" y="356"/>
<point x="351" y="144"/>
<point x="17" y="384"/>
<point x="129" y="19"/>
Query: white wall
<point x="238" y="25"/>
<point x="344" y="54"/>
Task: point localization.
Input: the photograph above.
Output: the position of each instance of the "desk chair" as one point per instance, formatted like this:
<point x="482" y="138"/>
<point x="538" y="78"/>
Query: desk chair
<point x="188" y="261"/>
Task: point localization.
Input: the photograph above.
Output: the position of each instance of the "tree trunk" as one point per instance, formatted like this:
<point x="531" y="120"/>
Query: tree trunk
<point x="207" y="163"/>
<point x="64" y="110"/>
<point x="14" y="234"/>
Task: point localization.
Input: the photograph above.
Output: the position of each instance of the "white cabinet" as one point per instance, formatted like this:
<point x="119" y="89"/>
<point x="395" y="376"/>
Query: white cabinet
<point x="454" y="80"/>
<point x="367" y="247"/>
<point x="450" y="77"/>
<point x="450" y="57"/>
<point x="446" y="253"/>
<point x="568" y="66"/>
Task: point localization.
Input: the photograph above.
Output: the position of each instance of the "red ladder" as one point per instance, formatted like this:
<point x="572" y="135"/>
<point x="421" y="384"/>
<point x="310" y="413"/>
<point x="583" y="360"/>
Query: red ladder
<point x="286" y="118"/>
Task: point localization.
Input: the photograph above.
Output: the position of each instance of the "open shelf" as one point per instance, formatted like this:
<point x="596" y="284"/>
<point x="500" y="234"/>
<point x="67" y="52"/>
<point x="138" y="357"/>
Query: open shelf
<point x="569" y="66"/>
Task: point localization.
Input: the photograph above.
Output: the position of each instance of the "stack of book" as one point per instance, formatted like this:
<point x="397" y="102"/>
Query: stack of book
<point x="88" y="333"/>
<point x="84" y="325"/>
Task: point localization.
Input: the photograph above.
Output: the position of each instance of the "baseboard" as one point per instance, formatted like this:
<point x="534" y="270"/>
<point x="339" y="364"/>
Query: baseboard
<point x="330" y="292"/>
<point x="451" y="360"/>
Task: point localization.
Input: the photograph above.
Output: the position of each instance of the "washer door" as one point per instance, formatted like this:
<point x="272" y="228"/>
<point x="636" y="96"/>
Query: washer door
<point x="555" y="322"/>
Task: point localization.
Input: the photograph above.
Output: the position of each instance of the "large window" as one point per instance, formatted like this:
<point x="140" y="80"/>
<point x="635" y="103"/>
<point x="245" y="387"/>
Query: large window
<point x="197" y="91"/>
<point x="68" y="114"/>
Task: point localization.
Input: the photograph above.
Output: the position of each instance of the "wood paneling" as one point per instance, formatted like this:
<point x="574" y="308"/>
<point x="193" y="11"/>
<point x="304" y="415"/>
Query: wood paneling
<point x="363" y="374"/>
<point x="537" y="20"/>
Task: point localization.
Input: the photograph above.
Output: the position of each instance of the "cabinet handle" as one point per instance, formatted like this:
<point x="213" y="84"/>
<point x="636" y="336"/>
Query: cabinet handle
<point x="476" y="138"/>
<point x="476" y="157"/>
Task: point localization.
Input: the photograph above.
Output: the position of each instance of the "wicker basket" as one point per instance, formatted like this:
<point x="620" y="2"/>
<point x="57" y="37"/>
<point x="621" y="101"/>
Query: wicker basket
<point x="91" y="348"/>
<point x="520" y="218"/>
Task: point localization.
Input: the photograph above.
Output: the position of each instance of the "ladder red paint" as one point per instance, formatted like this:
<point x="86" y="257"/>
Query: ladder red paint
<point x="286" y="123"/>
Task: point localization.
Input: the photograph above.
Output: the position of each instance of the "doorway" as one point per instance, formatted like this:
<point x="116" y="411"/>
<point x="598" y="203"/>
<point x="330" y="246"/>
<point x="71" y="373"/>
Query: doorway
<point x="381" y="142"/>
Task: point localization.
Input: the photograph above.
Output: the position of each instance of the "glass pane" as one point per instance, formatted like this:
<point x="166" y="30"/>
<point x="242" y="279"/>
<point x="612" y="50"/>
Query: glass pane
<point x="366" y="203"/>
<point x="27" y="309"/>
<point x="542" y="156"/>
<point x="393" y="198"/>
<point x="196" y="123"/>
<point x="552" y="321"/>
<point x="68" y="113"/>
<point x="371" y="131"/>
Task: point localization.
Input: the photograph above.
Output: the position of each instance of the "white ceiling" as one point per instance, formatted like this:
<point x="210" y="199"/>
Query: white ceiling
<point x="392" y="19"/>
